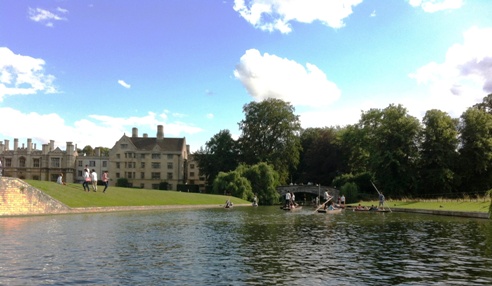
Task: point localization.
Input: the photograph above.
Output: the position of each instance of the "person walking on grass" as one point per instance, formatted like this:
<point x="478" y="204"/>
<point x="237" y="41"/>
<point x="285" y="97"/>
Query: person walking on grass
<point x="87" y="179"/>
<point x="94" y="180"/>
<point x="105" y="180"/>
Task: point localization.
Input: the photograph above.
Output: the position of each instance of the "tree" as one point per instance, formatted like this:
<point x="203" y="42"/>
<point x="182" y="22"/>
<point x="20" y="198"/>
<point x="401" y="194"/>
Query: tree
<point x="270" y="133"/>
<point x="475" y="153"/>
<point x="320" y="156"/>
<point x="88" y="150"/>
<point x="263" y="180"/>
<point x="220" y="155"/>
<point x="438" y="153"/>
<point x="391" y="137"/>
<point x="234" y="184"/>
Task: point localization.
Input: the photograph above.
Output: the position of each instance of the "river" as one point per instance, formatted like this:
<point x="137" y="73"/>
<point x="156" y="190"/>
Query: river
<point x="245" y="246"/>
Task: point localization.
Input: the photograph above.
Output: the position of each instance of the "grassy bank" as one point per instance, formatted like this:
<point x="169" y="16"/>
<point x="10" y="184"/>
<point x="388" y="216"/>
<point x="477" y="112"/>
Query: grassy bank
<point x="481" y="205"/>
<point x="74" y="196"/>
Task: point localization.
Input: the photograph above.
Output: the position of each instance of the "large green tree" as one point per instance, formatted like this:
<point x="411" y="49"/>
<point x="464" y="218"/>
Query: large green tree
<point x="270" y="133"/>
<point x="219" y="155"/>
<point x="475" y="159"/>
<point x="264" y="180"/>
<point x="438" y="153"/>
<point x="233" y="183"/>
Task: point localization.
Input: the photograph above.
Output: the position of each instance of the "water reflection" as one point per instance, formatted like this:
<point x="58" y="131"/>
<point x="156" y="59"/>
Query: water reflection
<point x="245" y="246"/>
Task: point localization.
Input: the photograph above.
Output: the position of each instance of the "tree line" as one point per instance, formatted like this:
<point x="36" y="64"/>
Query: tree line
<point x="440" y="156"/>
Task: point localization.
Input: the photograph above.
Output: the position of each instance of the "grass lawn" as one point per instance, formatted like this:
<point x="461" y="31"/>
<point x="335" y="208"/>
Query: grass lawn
<point x="481" y="205"/>
<point x="74" y="196"/>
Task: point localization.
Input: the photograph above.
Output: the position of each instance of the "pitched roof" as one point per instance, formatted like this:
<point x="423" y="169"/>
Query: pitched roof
<point x="165" y="144"/>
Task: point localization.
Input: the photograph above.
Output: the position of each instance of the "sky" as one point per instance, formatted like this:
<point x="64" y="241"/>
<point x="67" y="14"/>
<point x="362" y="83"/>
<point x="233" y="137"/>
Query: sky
<point x="87" y="72"/>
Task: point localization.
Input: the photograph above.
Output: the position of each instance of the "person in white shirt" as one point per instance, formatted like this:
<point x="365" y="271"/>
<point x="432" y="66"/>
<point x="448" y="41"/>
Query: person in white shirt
<point x="94" y="180"/>
<point x="60" y="180"/>
<point x="87" y="179"/>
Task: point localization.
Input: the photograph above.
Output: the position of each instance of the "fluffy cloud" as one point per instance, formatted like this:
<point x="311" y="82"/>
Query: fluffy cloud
<point x="23" y="75"/>
<point x="432" y="6"/>
<point x="269" y="76"/>
<point x="465" y="75"/>
<point x="124" y="84"/>
<point x="271" y="15"/>
<point x="46" y="17"/>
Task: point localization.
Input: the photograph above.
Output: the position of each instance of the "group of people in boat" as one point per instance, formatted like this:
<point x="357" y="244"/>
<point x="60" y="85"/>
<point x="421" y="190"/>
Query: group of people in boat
<point x="290" y="201"/>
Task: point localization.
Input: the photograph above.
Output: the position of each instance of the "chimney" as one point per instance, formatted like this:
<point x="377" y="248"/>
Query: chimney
<point x="134" y="132"/>
<point x="45" y="149"/>
<point x="7" y="143"/>
<point x="16" y="144"/>
<point x="160" y="132"/>
<point x="145" y="135"/>
<point x="29" y="145"/>
<point x="98" y="151"/>
<point x="70" y="149"/>
<point x="52" y="145"/>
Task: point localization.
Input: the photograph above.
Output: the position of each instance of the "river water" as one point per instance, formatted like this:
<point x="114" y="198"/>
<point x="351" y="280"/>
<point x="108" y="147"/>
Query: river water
<point x="245" y="246"/>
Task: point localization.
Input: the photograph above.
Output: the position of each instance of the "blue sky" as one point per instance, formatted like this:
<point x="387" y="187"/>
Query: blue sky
<point x="88" y="71"/>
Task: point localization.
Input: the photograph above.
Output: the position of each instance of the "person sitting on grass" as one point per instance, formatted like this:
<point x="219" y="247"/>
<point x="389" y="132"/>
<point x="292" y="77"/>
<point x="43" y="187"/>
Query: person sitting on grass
<point x="60" y="180"/>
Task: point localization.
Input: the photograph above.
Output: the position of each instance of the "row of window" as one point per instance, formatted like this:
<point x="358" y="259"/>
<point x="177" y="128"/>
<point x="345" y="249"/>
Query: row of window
<point x="153" y="175"/>
<point x="133" y="165"/>
<point x="144" y="155"/>
<point x="93" y="163"/>
<point x="36" y="162"/>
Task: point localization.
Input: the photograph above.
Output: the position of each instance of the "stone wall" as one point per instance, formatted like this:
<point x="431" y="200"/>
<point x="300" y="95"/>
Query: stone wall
<point x="19" y="198"/>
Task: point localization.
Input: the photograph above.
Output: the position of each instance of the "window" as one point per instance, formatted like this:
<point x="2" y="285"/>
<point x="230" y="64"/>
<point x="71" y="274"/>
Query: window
<point x="129" y="175"/>
<point x="156" y="165"/>
<point x="22" y="162"/>
<point x="192" y="166"/>
<point x="192" y="174"/>
<point x="117" y="175"/>
<point x="117" y="156"/>
<point x="54" y="177"/>
<point x="169" y="176"/>
<point x="79" y="173"/>
<point x="105" y="164"/>
<point x="156" y="156"/>
<point x="80" y="163"/>
<point x="37" y="165"/>
<point x="156" y="175"/>
<point x="8" y="162"/>
<point x="123" y="146"/>
<point x="117" y="165"/>
<point x="55" y="163"/>
<point x="142" y="175"/>
<point x="92" y="163"/>
<point x="142" y="186"/>
<point x="142" y="165"/>
<point x="170" y="156"/>
<point x="170" y="166"/>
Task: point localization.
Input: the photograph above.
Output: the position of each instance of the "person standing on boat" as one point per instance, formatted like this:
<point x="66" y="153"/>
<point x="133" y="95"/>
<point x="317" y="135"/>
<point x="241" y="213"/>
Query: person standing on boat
<point x="381" y="201"/>
<point x="342" y="200"/>
<point x="327" y="197"/>
<point x="287" y="199"/>
<point x="292" y="199"/>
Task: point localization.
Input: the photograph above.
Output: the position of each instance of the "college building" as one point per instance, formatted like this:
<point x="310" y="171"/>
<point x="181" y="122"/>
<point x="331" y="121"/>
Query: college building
<point x="27" y="162"/>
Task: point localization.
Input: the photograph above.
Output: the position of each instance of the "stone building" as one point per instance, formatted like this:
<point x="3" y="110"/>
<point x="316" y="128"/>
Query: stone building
<point x="146" y="162"/>
<point x="27" y="162"/>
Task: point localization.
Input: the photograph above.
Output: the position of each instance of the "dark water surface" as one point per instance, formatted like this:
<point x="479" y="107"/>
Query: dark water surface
<point x="245" y="246"/>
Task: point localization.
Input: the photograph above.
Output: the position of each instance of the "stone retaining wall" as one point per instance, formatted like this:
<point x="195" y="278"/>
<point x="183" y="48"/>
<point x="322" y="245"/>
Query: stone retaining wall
<point x="19" y="198"/>
<point x="446" y="213"/>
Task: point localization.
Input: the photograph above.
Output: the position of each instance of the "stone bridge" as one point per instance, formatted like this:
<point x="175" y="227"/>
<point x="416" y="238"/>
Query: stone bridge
<point x="310" y="189"/>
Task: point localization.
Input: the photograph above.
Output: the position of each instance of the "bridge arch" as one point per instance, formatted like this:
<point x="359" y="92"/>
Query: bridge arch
<point x="309" y="189"/>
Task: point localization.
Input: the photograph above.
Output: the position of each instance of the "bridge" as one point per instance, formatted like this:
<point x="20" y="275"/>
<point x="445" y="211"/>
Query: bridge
<point x="310" y="189"/>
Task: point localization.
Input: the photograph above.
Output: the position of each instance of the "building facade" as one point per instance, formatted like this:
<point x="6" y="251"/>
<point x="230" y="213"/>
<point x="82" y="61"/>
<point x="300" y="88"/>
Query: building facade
<point x="27" y="162"/>
<point x="194" y="177"/>
<point x="147" y="162"/>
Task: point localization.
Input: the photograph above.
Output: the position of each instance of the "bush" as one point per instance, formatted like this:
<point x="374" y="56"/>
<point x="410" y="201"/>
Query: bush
<point x="122" y="182"/>
<point x="351" y="192"/>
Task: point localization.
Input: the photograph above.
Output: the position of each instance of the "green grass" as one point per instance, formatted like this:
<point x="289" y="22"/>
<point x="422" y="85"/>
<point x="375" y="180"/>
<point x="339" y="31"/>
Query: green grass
<point x="481" y="205"/>
<point x="74" y="196"/>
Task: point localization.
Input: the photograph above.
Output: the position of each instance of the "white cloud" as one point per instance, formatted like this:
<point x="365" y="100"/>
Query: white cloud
<point x="271" y="15"/>
<point x="95" y="130"/>
<point x="23" y="75"/>
<point x="373" y="14"/>
<point x="46" y="17"/>
<point x="269" y="76"/>
<point x="465" y="75"/>
<point x="431" y="6"/>
<point x="210" y="116"/>
<point x="124" y="84"/>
